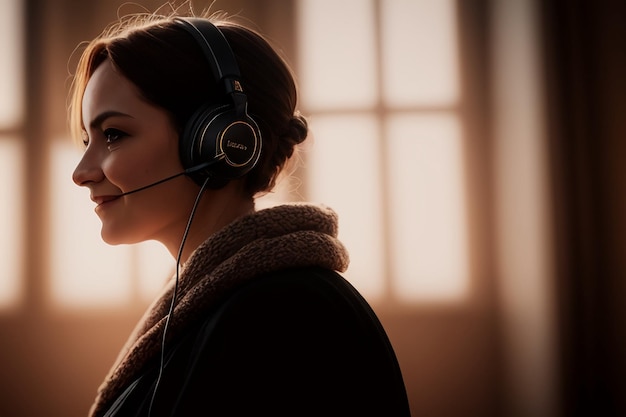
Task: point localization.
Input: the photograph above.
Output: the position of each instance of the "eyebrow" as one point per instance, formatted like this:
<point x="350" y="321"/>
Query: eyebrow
<point x="99" y="119"/>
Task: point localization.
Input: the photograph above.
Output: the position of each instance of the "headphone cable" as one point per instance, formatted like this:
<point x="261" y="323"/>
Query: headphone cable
<point x="174" y="295"/>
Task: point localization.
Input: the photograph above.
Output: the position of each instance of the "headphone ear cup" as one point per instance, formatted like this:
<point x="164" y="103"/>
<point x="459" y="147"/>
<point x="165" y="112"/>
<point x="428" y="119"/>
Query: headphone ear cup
<point x="218" y="132"/>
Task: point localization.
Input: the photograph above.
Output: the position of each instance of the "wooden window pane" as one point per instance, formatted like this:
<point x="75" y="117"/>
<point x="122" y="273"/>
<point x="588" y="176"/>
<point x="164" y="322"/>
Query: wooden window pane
<point x="337" y="66"/>
<point x="11" y="221"/>
<point x="11" y="65"/>
<point x="344" y="173"/>
<point x="419" y="53"/>
<point x="427" y="204"/>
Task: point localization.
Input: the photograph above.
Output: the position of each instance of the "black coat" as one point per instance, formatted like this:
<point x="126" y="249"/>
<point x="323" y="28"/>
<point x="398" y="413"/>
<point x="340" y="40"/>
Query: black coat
<point x="277" y="346"/>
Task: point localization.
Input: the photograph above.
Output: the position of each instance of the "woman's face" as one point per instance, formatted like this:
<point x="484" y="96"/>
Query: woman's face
<point x="130" y="143"/>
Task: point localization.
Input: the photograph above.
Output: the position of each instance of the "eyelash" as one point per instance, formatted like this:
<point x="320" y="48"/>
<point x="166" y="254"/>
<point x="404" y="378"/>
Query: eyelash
<point x="115" y="133"/>
<point x="107" y="133"/>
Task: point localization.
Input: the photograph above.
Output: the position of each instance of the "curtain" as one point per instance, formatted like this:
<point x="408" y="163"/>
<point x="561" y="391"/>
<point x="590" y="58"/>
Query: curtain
<point x="585" y="56"/>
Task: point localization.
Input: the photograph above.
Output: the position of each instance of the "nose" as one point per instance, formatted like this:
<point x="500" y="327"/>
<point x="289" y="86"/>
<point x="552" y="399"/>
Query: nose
<point x="88" y="170"/>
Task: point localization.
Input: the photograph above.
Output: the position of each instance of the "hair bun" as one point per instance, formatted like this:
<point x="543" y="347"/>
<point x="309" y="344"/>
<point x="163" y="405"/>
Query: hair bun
<point x="298" y="128"/>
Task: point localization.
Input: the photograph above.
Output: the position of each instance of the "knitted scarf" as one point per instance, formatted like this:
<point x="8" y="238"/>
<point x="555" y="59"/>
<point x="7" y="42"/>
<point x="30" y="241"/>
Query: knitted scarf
<point x="294" y="235"/>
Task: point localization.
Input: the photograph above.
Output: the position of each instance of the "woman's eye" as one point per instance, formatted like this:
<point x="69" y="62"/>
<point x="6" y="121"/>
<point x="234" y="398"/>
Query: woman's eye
<point x="85" y="138"/>
<point x="111" y="135"/>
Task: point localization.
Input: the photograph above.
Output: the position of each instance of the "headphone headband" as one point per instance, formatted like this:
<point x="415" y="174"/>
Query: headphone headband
<point x="216" y="50"/>
<point x="223" y="131"/>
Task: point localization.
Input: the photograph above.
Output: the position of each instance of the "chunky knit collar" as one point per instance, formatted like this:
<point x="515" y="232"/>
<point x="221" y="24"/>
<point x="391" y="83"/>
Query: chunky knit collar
<point x="294" y="235"/>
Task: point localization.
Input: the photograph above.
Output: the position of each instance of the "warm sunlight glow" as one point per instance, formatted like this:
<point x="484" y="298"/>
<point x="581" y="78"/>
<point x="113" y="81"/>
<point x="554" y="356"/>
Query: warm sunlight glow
<point x="419" y="53"/>
<point x="154" y="265"/>
<point x="287" y="188"/>
<point x="11" y="67"/>
<point x="336" y="54"/>
<point x="418" y="192"/>
<point x="428" y="256"/>
<point x="85" y="271"/>
<point x="11" y="222"/>
<point x="344" y="173"/>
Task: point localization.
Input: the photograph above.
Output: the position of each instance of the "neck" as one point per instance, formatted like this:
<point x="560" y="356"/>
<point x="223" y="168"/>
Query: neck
<point x="216" y="209"/>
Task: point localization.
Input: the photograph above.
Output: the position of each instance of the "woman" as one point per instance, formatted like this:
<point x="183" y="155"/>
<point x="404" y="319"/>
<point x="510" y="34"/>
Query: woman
<point x="183" y="125"/>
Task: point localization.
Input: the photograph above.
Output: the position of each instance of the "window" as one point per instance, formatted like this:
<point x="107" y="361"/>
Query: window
<point x="11" y="153"/>
<point x="380" y="82"/>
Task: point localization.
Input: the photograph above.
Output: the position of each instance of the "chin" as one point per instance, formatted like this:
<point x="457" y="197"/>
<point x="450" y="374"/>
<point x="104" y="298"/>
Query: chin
<point x="111" y="240"/>
<point x="117" y="237"/>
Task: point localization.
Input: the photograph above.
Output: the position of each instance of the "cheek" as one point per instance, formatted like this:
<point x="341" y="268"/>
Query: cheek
<point x="129" y="169"/>
<point x="123" y="170"/>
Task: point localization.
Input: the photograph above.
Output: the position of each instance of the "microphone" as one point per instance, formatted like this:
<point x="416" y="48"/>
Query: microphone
<point x="188" y="171"/>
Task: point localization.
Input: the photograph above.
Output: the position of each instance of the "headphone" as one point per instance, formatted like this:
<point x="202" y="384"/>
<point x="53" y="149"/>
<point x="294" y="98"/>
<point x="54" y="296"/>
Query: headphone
<point x="222" y="137"/>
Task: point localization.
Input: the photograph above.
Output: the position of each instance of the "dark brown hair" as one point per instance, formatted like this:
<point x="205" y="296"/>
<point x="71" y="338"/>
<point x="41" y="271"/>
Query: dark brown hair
<point x="171" y="72"/>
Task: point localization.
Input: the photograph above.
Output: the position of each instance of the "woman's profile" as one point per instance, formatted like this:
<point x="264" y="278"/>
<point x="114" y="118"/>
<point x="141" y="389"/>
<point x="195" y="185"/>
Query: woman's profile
<point x="185" y="121"/>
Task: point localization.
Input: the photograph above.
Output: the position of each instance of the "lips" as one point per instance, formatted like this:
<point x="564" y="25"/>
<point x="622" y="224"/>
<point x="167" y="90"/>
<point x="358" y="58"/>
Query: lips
<point x="99" y="200"/>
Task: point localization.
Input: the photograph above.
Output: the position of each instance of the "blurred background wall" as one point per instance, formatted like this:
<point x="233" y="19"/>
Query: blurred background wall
<point x="473" y="149"/>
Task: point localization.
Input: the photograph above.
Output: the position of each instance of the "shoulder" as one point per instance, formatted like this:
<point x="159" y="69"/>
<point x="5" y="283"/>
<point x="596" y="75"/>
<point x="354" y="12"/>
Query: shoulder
<point x="304" y="334"/>
<point x="309" y="294"/>
<point x="307" y="282"/>
<point x="307" y="316"/>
